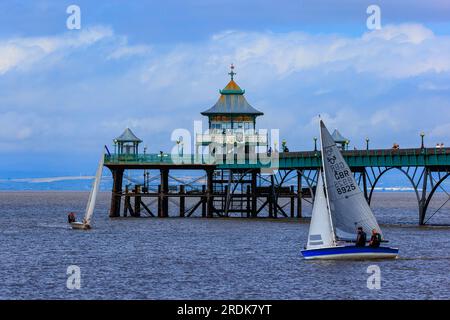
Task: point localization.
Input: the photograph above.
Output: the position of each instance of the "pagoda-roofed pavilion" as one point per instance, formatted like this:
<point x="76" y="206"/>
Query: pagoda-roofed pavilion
<point x="232" y="117"/>
<point x="339" y="139"/>
<point x="232" y="111"/>
<point x="127" y="142"/>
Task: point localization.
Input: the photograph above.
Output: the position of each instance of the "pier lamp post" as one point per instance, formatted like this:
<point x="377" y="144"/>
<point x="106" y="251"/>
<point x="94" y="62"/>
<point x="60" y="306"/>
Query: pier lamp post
<point x="179" y="143"/>
<point x="315" y="143"/>
<point x="347" y="142"/>
<point x="422" y="135"/>
<point x="182" y="144"/>
<point x="115" y="146"/>
<point x="367" y="143"/>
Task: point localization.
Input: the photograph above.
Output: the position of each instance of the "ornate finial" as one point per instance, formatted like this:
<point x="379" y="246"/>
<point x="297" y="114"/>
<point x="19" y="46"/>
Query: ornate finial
<point x="232" y="73"/>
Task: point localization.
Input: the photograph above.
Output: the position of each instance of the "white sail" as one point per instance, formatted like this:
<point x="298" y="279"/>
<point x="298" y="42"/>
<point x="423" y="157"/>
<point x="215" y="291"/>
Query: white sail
<point x="348" y="206"/>
<point x="321" y="233"/>
<point x="94" y="191"/>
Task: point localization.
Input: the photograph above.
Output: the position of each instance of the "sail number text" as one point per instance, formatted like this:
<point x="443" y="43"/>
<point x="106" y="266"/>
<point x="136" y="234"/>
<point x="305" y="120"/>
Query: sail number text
<point x="343" y="181"/>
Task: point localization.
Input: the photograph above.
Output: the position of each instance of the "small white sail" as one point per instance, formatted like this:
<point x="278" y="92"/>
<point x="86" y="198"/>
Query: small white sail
<point x="321" y="233"/>
<point x="348" y="207"/>
<point x="94" y="191"/>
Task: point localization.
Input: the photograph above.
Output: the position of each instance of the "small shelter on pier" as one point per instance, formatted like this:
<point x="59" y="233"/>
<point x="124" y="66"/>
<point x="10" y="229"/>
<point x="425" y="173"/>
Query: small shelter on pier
<point x="340" y="140"/>
<point x="127" y="143"/>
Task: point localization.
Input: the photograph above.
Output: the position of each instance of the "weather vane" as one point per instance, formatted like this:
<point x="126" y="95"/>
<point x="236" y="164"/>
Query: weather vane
<point x="232" y="73"/>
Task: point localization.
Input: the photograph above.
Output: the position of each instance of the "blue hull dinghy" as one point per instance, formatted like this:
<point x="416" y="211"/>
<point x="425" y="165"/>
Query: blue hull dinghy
<point x="339" y="209"/>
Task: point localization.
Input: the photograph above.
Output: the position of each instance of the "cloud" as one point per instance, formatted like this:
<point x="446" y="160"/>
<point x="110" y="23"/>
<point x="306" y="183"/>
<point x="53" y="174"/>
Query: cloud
<point x="25" y="52"/>
<point x="129" y="51"/>
<point x="144" y="125"/>
<point x="124" y="50"/>
<point x="430" y="86"/>
<point x="15" y="127"/>
<point x="441" y="131"/>
<point x="376" y="84"/>
<point x="404" y="33"/>
<point x="395" y="51"/>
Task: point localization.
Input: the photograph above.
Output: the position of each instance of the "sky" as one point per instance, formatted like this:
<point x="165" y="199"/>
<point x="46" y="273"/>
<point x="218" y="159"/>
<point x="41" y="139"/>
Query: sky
<point x="154" y="66"/>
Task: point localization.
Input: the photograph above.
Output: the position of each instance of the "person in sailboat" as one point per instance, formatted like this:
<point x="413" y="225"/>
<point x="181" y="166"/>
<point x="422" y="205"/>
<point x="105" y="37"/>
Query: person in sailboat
<point x="375" y="240"/>
<point x="71" y="217"/>
<point x="361" y="238"/>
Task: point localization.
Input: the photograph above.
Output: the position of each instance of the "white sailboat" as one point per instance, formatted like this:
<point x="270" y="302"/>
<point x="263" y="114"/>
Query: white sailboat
<point x="86" y="223"/>
<point x="339" y="208"/>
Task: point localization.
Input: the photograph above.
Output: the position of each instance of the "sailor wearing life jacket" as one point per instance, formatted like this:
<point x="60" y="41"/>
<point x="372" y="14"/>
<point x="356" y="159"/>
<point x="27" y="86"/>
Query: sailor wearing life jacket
<point x="71" y="217"/>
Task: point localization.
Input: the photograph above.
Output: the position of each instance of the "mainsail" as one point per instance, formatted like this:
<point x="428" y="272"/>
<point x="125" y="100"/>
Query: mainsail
<point x="348" y="207"/>
<point x="320" y="229"/>
<point x="94" y="191"/>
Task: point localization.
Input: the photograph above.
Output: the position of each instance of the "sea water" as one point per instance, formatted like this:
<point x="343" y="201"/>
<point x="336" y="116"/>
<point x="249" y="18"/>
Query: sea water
<point x="195" y="258"/>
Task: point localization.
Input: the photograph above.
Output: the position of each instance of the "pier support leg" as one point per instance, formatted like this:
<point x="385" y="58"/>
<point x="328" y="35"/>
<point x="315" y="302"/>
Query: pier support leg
<point x="164" y="193"/>
<point x="116" y="193"/>
<point x="203" y="199"/>
<point x="299" y="193"/>
<point x="209" y="193"/>
<point x="364" y="177"/>
<point x="254" y="195"/>
<point x="292" y="199"/>
<point x="423" y="198"/>
<point x="159" y="202"/>
<point x="137" y="201"/>
<point x="126" y="202"/>
<point x="248" y="204"/>
<point x="273" y="198"/>
<point x="269" y="201"/>
<point x="182" y="201"/>
<point x="226" y="200"/>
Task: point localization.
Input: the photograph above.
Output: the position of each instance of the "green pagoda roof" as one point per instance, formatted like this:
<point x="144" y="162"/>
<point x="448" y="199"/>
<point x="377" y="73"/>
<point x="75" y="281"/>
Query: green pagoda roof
<point x="128" y="136"/>
<point x="338" y="137"/>
<point x="232" y="101"/>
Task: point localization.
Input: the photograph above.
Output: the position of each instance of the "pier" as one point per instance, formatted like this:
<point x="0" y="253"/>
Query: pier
<point x="235" y="178"/>
<point x="244" y="189"/>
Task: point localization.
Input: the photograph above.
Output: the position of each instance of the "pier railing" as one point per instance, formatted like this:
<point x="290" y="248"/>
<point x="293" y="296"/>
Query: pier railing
<point x="287" y="160"/>
<point x="261" y="161"/>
